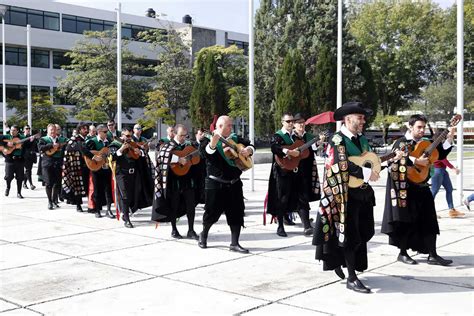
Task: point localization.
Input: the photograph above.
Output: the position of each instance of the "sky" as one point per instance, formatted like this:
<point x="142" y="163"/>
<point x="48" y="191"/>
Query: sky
<point x="229" y="15"/>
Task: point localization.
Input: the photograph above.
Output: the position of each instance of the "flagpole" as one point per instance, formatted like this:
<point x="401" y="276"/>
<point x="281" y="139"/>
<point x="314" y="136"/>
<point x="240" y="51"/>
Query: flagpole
<point x="251" y="88"/>
<point x="339" y="59"/>
<point x="460" y="98"/>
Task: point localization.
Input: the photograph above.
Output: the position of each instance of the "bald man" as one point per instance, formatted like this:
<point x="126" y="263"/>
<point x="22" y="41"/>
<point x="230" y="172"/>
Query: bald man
<point x="223" y="185"/>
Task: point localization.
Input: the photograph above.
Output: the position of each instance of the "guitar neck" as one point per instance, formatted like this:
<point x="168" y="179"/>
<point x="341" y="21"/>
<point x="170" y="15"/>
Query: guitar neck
<point x="307" y="145"/>
<point x="387" y="157"/>
<point x="436" y="142"/>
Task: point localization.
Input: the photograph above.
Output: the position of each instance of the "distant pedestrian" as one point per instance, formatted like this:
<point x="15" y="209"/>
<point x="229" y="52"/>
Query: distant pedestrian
<point x="469" y="199"/>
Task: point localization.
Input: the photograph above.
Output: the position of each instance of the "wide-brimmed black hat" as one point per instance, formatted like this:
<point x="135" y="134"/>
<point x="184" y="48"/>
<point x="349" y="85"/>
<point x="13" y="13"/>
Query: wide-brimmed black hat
<point x="299" y="117"/>
<point x="351" y="108"/>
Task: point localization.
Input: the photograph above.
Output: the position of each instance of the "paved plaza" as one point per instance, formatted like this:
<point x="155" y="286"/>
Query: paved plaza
<point x="60" y="262"/>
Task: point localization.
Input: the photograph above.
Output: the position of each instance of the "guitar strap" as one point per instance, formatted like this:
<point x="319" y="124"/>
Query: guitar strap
<point x="220" y="149"/>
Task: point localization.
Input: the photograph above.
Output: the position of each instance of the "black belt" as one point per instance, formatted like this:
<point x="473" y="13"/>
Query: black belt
<point x="223" y="180"/>
<point x="129" y="171"/>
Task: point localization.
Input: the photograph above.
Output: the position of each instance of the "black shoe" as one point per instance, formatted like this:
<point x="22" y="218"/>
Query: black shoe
<point x="7" y="191"/>
<point x="192" y="235"/>
<point x="56" y="204"/>
<point x="340" y="273"/>
<point x="438" y="260"/>
<point x="287" y="220"/>
<point x="110" y="214"/>
<point x="238" y="248"/>
<point x="32" y="187"/>
<point x="308" y="232"/>
<point x="25" y="186"/>
<point x="50" y="206"/>
<point x="281" y="232"/>
<point x="176" y="234"/>
<point x="97" y="214"/>
<point x="128" y="224"/>
<point x="357" y="286"/>
<point x="406" y="259"/>
<point x="18" y="195"/>
<point x="202" y="241"/>
<point x="79" y="209"/>
<point x="61" y="199"/>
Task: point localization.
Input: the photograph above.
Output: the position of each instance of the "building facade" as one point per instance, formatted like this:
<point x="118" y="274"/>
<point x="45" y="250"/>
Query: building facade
<point x="56" y="27"/>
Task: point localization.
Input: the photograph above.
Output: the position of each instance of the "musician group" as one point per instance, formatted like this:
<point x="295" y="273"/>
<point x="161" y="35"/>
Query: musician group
<point x="108" y="167"/>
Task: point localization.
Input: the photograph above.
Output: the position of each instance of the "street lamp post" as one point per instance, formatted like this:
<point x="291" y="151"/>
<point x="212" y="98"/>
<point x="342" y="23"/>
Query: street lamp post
<point x="3" y="10"/>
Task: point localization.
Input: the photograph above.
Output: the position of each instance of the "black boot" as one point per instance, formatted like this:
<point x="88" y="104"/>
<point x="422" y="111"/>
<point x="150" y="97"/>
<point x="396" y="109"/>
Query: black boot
<point x="235" y="234"/>
<point x="353" y="283"/>
<point x="49" y="193"/>
<point x="203" y="236"/>
<point x="24" y="185"/>
<point x="281" y="229"/>
<point x="109" y="212"/>
<point x="126" y="219"/>
<point x="288" y="220"/>
<point x="307" y="229"/>
<point x="97" y="212"/>
<point x="55" y="195"/>
<point x="191" y="233"/>
<point x="18" y="189"/>
<point x="79" y="208"/>
<point x="7" y="190"/>
<point x="433" y="257"/>
<point x="340" y="273"/>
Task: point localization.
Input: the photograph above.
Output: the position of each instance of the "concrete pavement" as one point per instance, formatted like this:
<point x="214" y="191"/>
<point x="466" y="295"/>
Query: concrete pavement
<point x="60" y="262"/>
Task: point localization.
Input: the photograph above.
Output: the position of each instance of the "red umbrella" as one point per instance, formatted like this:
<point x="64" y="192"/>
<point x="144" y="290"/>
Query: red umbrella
<point x="323" y="118"/>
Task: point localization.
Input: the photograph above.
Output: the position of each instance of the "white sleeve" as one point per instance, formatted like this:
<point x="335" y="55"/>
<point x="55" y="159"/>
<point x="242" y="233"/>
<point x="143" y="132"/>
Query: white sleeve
<point x="367" y="172"/>
<point x="174" y="159"/>
<point x="209" y="150"/>
<point x="119" y="153"/>
<point x="285" y="151"/>
<point x="447" y="144"/>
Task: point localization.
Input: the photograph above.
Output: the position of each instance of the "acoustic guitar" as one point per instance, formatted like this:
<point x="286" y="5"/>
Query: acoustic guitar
<point x="291" y="163"/>
<point x="370" y="160"/>
<point x="53" y="150"/>
<point x="241" y="162"/>
<point x="95" y="165"/>
<point x="425" y="148"/>
<point x="190" y="154"/>
<point x="16" y="143"/>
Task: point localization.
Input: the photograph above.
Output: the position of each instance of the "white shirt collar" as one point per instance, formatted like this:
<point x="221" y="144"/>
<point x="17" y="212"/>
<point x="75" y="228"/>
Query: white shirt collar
<point x="346" y="132"/>
<point x="286" y="132"/>
<point x="408" y="136"/>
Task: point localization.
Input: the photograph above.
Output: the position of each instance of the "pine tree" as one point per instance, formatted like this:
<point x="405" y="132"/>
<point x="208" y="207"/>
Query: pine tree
<point x="291" y="88"/>
<point x="324" y="84"/>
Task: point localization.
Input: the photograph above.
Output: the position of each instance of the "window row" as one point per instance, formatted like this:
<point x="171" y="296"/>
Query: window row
<point x="36" y="18"/>
<point x="20" y="92"/>
<point x="239" y="44"/>
<point x="16" y="56"/>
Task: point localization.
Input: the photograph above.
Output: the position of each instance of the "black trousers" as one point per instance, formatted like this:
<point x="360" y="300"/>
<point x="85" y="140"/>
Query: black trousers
<point x="125" y="186"/>
<point x="224" y="198"/>
<point x="102" y="181"/>
<point x="14" y="169"/>
<point x="28" y="170"/>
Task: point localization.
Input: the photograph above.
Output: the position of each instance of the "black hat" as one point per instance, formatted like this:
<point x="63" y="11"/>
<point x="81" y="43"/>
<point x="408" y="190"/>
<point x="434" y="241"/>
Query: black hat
<point x="351" y="108"/>
<point x="299" y="117"/>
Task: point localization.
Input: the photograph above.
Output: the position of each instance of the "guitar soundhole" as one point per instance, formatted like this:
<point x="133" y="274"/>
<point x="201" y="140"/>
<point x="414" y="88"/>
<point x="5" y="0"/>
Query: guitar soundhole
<point x="368" y="164"/>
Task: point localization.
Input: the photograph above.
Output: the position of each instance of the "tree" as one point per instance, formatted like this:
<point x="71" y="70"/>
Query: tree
<point x="398" y="40"/>
<point x="173" y="71"/>
<point x="42" y="112"/>
<point x="92" y="76"/>
<point x="291" y="88"/>
<point x="155" y="110"/>
<point x="439" y="100"/>
<point x="216" y="70"/>
<point x="384" y="122"/>
<point x="324" y="84"/>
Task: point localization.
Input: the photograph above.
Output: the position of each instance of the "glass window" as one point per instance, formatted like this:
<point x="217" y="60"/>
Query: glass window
<point x="35" y="20"/>
<point x="83" y="24"/>
<point x="22" y="57"/>
<point x="97" y="25"/>
<point x="11" y="56"/>
<point x="51" y="21"/>
<point x="108" y="25"/>
<point x="40" y="58"/>
<point x="18" y="16"/>
<point x="69" y="25"/>
<point x="59" y="59"/>
<point x="126" y="31"/>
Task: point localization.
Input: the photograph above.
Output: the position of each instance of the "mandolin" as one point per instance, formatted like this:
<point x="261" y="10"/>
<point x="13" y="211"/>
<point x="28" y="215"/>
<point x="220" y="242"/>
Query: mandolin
<point x="291" y="163"/>
<point x="241" y="162"/>
<point x="95" y="165"/>
<point x="16" y="143"/>
<point x="191" y="154"/>
<point x="425" y="148"/>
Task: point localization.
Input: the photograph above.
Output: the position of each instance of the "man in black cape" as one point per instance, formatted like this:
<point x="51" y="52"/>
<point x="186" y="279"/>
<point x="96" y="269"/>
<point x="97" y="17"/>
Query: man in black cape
<point x="175" y="194"/>
<point x="223" y="184"/>
<point x="409" y="217"/>
<point x="345" y="221"/>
